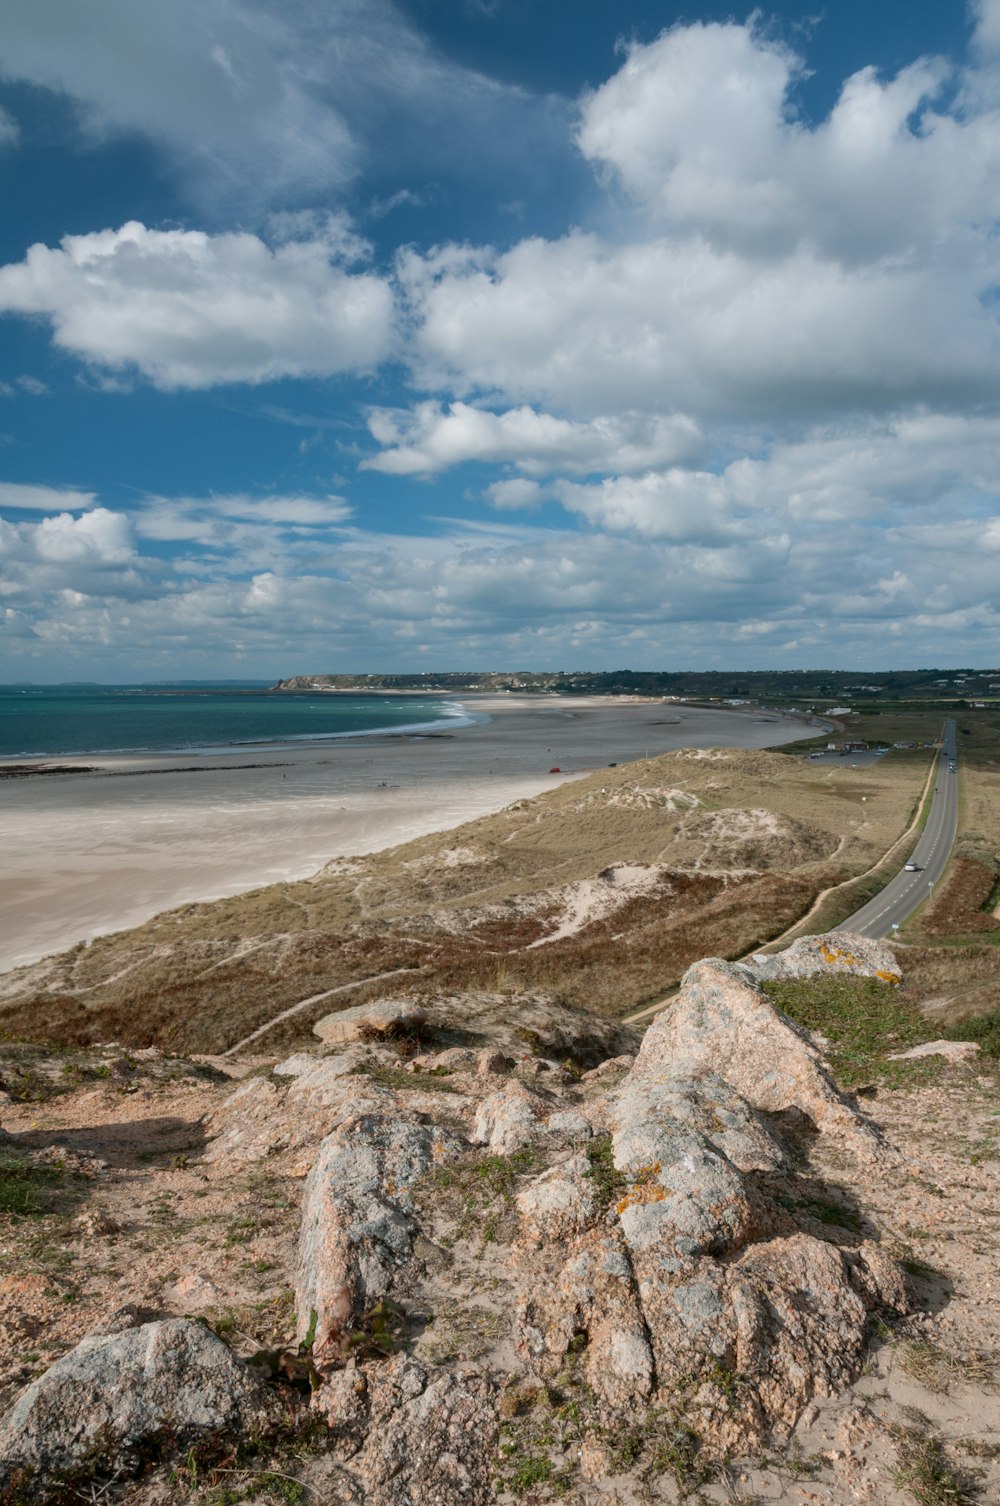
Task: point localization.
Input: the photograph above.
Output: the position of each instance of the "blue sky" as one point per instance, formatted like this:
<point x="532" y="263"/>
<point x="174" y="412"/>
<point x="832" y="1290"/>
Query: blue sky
<point x="351" y="334"/>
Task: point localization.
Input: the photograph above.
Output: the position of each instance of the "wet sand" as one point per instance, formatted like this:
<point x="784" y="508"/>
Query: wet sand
<point x="105" y="848"/>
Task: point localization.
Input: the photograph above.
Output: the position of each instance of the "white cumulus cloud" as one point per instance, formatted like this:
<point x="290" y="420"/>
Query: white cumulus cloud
<point x="772" y="268"/>
<point x="676" y="504"/>
<point x="515" y="492"/>
<point x="430" y="439"/>
<point x="97" y="537"/>
<point x="699" y="125"/>
<point x="192" y="310"/>
<point x="684" y="326"/>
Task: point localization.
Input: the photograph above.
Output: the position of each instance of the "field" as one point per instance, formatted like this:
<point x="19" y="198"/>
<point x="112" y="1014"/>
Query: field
<point x="950" y="949"/>
<point x="888" y="722"/>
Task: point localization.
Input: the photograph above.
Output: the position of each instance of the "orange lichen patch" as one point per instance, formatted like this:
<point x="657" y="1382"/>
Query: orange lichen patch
<point x="834" y="955"/>
<point x="645" y="1189"/>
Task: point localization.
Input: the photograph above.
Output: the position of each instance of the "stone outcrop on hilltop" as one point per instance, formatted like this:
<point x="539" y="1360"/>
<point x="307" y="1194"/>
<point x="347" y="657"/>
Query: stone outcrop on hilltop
<point x="838" y="952"/>
<point x="491" y="1238"/>
<point x="120" y="1391"/>
<point x="723" y="1021"/>
<point x="357" y="1223"/>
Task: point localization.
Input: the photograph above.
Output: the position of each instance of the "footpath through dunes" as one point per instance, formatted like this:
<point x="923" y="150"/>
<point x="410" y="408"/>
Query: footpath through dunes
<point x="599" y="893"/>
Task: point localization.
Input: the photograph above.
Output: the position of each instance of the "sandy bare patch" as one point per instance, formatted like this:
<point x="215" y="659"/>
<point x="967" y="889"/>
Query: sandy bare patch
<point x="598" y="898"/>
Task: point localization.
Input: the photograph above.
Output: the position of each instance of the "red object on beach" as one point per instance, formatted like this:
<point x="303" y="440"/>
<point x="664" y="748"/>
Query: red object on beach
<point x="556" y="770"/>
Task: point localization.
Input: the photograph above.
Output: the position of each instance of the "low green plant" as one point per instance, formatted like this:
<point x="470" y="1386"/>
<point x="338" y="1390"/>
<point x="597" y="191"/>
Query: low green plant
<point x="531" y="1038"/>
<point x="218" y="1468"/>
<point x="924" y="1469"/>
<point x="725" y="1381"/>
<point x="914" y="1266"/>
<point x="608" y="1182"/>
<point x="526" y="1470"/>
<point x="627" y="1452"/>
<point x="678" y="1452"/>
<point x="834" y="1214"/>
<point x="400" y="1080"/>
<point x="985" y="1030"/>
<point x="244" y="1229"/>
<point x="864" y="1019"/>
<point x="27" y="1188"/>
<point x="475" y="1194"/>
<point x="375" y="1335"/>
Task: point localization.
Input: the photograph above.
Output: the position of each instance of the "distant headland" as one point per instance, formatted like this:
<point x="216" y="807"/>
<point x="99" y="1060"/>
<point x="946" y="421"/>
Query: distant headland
<point x="776" y="685"/>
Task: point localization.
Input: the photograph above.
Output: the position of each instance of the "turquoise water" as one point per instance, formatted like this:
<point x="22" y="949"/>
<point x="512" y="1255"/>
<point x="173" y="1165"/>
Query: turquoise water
<point x="48" y="721"/>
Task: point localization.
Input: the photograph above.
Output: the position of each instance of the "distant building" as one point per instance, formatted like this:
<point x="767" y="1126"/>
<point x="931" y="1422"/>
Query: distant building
<point x="838" y="711"/>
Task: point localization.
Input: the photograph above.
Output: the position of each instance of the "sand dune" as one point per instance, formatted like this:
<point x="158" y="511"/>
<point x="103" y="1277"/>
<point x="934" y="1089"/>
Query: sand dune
<point x="90" y="853"/>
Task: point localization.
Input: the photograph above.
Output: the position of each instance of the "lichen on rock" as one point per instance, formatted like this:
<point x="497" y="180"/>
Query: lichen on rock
<point x="357" y="1223"/>
<point x="723" y="1022"/>
<point x="116" y="1394"/>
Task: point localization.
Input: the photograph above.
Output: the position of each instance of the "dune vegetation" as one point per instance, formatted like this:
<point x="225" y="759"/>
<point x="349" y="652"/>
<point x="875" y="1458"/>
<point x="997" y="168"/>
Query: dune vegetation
<point x="600" y="892"/>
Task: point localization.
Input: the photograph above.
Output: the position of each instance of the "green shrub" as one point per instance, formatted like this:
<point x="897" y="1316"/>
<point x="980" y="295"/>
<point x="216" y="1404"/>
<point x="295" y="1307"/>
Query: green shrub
<point x="985" y="1029"/>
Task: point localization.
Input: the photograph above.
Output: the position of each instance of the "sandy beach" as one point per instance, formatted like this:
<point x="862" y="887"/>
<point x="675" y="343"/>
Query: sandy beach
<point x="90" y="852"/>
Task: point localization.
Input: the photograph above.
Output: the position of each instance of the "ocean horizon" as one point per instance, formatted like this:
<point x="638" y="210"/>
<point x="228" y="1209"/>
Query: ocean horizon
<point x="199" y="717"/>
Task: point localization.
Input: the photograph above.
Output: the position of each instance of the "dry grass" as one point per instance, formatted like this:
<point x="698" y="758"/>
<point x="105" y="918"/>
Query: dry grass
<point x="941" y="1372"/>
<point x="924" y="1469"/>
<point x="951" y="954"/>
<point x="962" y="903"/>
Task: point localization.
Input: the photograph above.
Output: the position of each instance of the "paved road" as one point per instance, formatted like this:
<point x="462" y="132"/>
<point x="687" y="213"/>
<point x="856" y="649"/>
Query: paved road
<point x="901" y="896"/>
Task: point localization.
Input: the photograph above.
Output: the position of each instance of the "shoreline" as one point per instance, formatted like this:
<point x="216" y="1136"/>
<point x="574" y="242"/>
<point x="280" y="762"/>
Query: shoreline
<point x="460" y="718"/>
<point x="104" y="851"/>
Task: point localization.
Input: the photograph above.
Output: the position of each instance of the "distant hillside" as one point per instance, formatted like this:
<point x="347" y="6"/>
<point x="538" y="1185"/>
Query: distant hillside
<point x="828" y="686"/>
<point x="600" y="892"/>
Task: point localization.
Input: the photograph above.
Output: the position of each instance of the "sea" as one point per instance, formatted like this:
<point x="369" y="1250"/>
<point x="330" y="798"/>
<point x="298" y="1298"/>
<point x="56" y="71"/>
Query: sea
<point x="51" y="721"/>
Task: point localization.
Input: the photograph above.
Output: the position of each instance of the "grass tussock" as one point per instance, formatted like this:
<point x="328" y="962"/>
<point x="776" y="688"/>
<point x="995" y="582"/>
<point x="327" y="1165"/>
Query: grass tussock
<point x="941" y="1372"/>
<point x="473" y="1197"/>
<point x="925" y="1470"/>
<point x="985" y="1029"/>
<point x="27" y="1188"/>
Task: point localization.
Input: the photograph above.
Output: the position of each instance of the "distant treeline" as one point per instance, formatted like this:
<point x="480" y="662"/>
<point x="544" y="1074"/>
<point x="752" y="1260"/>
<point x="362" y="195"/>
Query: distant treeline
<point x="756" y="685"/>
